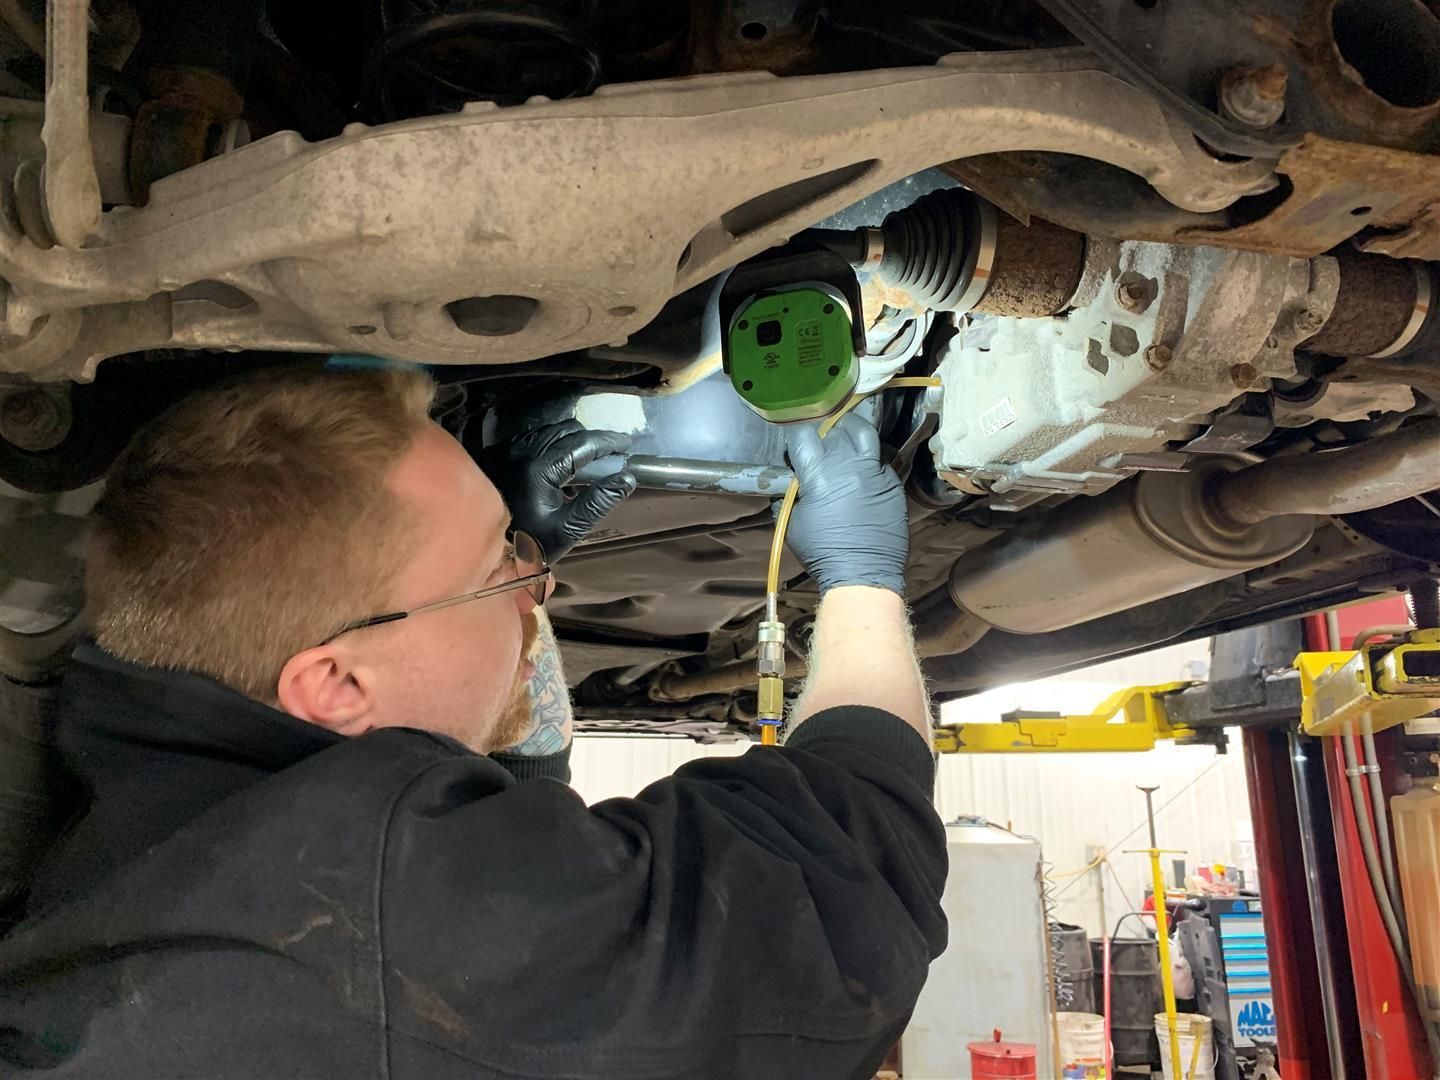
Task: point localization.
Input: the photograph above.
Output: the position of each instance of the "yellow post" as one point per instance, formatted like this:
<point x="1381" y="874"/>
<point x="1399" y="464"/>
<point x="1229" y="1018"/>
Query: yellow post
<point x="1167" y="976"/>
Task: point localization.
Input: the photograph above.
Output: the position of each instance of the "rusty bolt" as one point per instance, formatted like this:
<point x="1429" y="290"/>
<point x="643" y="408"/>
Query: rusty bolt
<point x="1243" y="376"/>
<point x="1131" y="296"/>
<point x="1307" y="323"/>
<point x="1254" y="97"/>
<point x="1270" y="82"/>
<point x="1158" y="357"/>
<point x="32" y="420"/>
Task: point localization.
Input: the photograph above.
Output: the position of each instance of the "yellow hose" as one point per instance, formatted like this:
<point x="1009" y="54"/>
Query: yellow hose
<point x="787" y="504"/>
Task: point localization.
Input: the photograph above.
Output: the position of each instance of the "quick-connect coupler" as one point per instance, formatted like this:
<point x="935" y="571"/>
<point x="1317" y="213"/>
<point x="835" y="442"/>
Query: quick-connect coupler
<point x="771" y="652"/>
<point x="770" y="667"/>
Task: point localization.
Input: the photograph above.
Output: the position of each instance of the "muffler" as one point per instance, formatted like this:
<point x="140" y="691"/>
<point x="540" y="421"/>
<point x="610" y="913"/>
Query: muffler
<point x="1166" y="533"/>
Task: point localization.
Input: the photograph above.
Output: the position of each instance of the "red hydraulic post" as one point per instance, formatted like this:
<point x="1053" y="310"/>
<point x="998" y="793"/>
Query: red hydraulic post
<point x="1299" y="1026"/>
<point x="1390" y="1029"/>
<point x="1392" y="1036"/>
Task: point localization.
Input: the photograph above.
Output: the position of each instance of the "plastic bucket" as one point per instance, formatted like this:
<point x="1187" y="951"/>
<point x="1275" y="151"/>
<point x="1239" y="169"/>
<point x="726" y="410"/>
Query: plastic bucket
<point x="994" y="1060"/>
<point x="1192" y="1029"/>
<point x="1082" y="1038"/>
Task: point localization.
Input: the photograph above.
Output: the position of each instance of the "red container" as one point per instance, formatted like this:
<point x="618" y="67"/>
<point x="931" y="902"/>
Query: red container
<point x="995" y="1059"/>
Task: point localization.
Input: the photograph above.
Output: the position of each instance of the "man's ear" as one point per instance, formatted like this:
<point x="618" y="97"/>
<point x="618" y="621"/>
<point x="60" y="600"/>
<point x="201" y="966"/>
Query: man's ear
<point x="324" y="686"/>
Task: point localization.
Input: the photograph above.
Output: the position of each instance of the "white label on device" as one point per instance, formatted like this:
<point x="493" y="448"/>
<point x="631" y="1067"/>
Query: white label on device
<point x="997" y="418"/>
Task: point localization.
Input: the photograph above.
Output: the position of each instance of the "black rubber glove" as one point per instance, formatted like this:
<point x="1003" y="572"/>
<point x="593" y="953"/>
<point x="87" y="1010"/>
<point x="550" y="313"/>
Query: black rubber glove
<point x="848" y="526"/>
<point x="532" y="470"/>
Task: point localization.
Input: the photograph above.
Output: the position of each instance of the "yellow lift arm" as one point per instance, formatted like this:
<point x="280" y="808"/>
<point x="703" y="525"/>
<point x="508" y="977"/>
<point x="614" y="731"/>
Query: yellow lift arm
<point x="1384" y="683"/>
<point x="1131" y="719"/>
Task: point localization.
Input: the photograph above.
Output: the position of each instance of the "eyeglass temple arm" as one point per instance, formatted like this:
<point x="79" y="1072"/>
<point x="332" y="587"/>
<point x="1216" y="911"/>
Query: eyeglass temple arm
<point x="378" y="620"/>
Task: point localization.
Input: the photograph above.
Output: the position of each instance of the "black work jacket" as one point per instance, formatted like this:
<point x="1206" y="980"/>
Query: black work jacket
<point x="251" y="896"/>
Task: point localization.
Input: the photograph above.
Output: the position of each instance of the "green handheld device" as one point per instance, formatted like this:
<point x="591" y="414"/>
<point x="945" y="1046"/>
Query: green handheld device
<point x="793" y="333"/>
<point x="791" y="353"/>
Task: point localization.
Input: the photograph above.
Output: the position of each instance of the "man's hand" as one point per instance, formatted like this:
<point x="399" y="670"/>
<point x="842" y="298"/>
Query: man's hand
<point x="532" y="470"/>
<point x="849" y="529"/>
<point x="848" y="526"/>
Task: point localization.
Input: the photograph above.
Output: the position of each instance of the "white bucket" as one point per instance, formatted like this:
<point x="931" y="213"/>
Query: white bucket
<point x="1082" y="1038"/>
<point x="1192" y="1029"/>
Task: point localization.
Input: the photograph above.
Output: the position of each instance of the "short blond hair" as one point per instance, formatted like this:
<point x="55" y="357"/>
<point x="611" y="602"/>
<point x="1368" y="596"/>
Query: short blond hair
<point x="253" y="520"/>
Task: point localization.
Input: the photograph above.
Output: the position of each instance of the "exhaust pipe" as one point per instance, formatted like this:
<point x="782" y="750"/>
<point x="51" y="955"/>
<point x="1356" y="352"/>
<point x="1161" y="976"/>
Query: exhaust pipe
<point x="1377" y="473"/>
<point x="1167" y="533"/>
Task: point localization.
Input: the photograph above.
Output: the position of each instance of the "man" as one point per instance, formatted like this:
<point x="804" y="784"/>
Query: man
<point x="312" y="613"/>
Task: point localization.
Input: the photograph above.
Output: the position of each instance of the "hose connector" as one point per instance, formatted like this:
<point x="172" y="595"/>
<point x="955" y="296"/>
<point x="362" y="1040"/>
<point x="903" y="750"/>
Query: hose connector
<point x="770" y="667"/>
<point x="770" y="658"/>
<point x="772" y="701"/>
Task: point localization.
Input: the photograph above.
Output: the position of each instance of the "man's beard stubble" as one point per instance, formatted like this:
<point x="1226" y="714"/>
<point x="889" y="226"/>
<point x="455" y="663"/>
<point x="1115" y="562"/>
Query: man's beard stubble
<point x="516" y="717"/>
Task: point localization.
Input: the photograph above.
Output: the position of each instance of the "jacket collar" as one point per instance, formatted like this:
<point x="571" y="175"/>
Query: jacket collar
<point x="107" y="701"/>
<point x="154" y="750"/>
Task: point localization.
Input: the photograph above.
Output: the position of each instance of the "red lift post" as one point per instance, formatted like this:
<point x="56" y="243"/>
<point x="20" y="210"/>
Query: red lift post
<point x="1391" y="1032"/>
<point x="1342" y="1005"/>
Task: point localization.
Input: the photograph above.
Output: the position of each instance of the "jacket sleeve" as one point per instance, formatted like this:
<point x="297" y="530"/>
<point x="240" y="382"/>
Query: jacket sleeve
<point x="734" y="915"/>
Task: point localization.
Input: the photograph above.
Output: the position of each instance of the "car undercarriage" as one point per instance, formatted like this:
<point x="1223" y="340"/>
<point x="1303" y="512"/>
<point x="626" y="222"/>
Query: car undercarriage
<point x="1173" y="266"/>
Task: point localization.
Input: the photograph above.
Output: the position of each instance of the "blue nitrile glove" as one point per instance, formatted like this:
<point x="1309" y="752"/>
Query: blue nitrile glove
<point x="848" y="526"/>
<point x="533" y="469"/>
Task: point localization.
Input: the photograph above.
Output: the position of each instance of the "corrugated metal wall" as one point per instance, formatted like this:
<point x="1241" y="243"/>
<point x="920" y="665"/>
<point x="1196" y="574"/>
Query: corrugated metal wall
<point x="1067" y="801"/>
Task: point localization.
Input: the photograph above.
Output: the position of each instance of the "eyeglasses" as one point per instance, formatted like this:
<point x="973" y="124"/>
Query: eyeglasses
<point x="532" y="573"/>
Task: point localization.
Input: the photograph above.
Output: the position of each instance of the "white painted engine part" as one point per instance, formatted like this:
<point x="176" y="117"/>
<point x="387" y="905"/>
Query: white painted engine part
<point x="1157" y="339"/>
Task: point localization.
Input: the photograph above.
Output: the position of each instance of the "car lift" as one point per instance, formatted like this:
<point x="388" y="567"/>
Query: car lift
<point x="1293" y="700"/>
<point x="1384" y="683"/>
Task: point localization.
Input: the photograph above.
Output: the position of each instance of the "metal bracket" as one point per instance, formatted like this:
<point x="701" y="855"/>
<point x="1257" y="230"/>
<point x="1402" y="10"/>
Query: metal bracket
<point x="1239" y="427"/>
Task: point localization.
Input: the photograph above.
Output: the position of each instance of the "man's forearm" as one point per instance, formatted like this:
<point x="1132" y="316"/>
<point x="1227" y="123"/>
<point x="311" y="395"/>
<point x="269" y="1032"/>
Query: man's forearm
<point x="551" y="716"/>
<point x="863" y="653"/>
